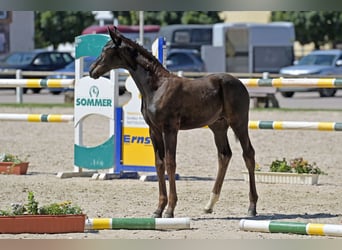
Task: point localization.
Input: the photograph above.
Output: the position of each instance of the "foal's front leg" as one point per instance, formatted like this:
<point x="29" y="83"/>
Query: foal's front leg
<point x="170" y="144"/>
<point x="159" y="153"/>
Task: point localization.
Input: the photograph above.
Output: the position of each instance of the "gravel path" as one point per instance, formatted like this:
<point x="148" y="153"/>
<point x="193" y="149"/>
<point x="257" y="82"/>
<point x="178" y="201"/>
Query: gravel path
<point x="49" y="148"/>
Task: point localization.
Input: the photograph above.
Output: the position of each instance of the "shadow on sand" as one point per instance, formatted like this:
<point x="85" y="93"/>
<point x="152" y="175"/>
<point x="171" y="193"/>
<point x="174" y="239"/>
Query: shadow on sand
<point x="275" y="217"/>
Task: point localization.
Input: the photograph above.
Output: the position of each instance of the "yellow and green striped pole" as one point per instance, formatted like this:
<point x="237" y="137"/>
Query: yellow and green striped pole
<point x="296" y="125"/>
<point x="37" y="117"/>
<point x="36" y="83"/>
<point x="293" y="82"/>
<point x="249" y="82"/>
<point x="137" y="223"/>
<point x="276" y="125"/>
<point x="291" y="227"/>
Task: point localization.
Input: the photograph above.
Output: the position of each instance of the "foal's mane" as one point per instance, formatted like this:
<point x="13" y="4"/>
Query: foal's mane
<point x="141" y="50"/>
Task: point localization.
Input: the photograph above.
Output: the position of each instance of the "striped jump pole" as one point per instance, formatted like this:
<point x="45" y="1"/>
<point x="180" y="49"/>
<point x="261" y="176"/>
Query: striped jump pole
<point x="296" y="125"/>
<point x="36" y="83"/>
<point x="36" y="117"/>
<point x="293" y="82"/>
<point x="137" y="223"/>
<point x="291" y="227"/>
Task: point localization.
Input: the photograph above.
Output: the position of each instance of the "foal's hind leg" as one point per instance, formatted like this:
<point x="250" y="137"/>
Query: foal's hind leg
<point x="241" y="132"/>
<point x="224" y="154"/>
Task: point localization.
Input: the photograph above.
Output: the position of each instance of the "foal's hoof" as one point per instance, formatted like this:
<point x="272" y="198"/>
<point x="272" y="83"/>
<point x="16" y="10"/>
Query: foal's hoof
<point x="166" y="215"/>
<point x="208" y="210"/>
<point x="169" y="213"/>
<point x="251" y="213"/>
<point x="156" y="214"/>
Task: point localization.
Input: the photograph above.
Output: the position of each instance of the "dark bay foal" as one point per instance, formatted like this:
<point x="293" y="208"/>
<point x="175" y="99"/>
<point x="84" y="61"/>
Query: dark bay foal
<point x="171" y="103"/>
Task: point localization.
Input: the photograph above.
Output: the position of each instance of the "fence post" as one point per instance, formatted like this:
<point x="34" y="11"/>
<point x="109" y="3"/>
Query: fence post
<point x="19" y="90"/>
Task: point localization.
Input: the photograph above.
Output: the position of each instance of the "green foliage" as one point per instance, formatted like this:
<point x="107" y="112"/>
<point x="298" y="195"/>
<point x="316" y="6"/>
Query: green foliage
<point x="200" y="17"/>
<point x="56" y="27"/>
<point x="296" y="165"/>
<point x="32" y="208"/>
<point x="319" y="27"/>
<point x="280" y="166"/>
<point x="17" y="208"/>
<point x="60" y="208"/>
<point x="32" y="205"/>
<point x="6" y="157"/>
<point x="168" y="17"/>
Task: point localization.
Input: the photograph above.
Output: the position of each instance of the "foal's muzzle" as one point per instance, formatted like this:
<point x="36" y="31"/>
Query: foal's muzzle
<point x="93" y="72"/>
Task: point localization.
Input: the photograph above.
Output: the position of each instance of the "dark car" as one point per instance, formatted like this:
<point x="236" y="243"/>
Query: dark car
<point x="36" y="60"/>
<point x="68" y="72"/>
<point x="318" y="62"/>
<point x="187" y="60"/>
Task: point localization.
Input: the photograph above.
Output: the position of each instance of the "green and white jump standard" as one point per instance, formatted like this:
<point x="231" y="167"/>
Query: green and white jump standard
<point x="291" y="227"/>
<point x="137" y="223"/>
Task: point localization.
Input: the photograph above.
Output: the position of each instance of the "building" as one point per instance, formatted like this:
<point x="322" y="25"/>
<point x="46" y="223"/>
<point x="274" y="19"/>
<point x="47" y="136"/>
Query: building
<point x="246" y="16"/>
<point x="16" y="31"/>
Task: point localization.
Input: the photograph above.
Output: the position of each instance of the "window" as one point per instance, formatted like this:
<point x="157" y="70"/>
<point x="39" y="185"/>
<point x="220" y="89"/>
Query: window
<point x="193" y="35"/>
<point x="67" y="58"/>
<point x="237" y="42"/>
<point x="42" y="59"/>
<point x="179" y="59"/>
<point x="19" y="58"/>
<point x="317" y="60"/>
<point x="202" y="36"/>
<point x="182" y="36"/>
<point x="271" y="58"/>
<point x="3" y="14"/>
<point x="57" y="58"/>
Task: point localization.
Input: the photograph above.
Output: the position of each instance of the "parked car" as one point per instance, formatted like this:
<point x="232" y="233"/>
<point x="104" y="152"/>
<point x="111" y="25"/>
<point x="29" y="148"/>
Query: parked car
<point x="68" y="73"/>
<point x="36" y="60"/>
<point x="187" y="60"/>
<point x="318" y="62"/>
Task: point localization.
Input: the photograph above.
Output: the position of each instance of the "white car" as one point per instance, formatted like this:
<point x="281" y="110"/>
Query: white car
<point x="318" y="62"/>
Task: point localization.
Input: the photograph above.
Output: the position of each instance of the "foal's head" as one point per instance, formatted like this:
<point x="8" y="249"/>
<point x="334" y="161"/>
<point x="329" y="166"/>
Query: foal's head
<point x="117" y="53"/>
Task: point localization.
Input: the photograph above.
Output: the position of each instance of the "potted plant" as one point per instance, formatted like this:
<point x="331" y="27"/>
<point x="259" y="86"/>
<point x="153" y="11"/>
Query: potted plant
<point x="32" y="218"/>
<point x="296" y="171"/>
<point x="12" y="164"/>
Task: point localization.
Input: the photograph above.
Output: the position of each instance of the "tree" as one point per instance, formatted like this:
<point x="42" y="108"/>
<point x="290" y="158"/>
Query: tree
<point x="200" y="17"/>
<point x="319" y="27"/>
<point x="168" y="17"/>
<point x="57" y="27"/>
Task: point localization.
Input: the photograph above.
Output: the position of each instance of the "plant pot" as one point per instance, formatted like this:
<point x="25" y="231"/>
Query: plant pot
<point x="283" y="178"/>
<point x="42" y="224"/>
<point x="11" y="168"/>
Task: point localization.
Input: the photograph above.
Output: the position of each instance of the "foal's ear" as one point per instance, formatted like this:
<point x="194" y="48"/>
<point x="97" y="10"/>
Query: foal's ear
<point x="115" y="36"/>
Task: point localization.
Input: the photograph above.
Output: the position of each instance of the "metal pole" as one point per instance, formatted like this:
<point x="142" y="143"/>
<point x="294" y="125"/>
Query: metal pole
<point x="141" y="28"/>
<point x="19" y="90"/>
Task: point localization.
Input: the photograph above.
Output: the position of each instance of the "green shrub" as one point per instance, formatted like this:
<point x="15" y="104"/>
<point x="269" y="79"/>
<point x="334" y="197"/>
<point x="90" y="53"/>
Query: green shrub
<point x="296" y="165"/>
<point x="32" y="208"/>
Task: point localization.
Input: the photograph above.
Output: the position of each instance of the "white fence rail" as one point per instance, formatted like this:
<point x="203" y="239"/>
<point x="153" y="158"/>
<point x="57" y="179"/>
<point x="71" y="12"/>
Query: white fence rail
<point x="258" y="87"/>
<point x="36" y="83"/>
<point x="36" y="117"/>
